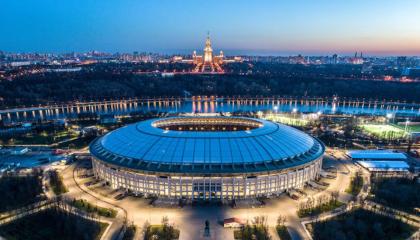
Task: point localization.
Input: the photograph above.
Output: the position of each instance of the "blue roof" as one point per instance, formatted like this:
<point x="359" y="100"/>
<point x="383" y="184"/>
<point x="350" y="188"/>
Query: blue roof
<point x="385" y="165"/>
<point x="145" y="142"/>
<point x="376" y="155"/>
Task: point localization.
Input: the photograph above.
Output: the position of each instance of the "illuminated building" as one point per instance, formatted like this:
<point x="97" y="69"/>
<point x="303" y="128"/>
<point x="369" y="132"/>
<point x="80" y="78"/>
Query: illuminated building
<point x="207" y="158"/>
<point x="208" y="63"/>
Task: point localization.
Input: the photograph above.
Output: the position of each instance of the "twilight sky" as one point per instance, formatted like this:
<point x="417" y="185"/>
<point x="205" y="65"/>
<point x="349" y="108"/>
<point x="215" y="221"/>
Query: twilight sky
<point x="376" y="27"/>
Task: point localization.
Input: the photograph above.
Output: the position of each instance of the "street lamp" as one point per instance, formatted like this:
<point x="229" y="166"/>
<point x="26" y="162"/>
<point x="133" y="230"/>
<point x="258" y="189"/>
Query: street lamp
<point x="294" y="111"/>
<point x="276" y="108"/>
<point x="389" y="116"/>
<point x="260" y="114"/>
<point x="406" y="125"/>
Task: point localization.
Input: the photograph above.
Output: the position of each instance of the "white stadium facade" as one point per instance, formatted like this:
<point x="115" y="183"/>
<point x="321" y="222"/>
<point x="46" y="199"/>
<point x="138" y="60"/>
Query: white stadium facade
<point x="207" y="158"/>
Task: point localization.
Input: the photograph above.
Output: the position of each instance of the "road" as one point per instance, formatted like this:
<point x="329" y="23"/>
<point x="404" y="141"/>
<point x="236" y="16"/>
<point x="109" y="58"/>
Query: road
<point x="190" y="219"/>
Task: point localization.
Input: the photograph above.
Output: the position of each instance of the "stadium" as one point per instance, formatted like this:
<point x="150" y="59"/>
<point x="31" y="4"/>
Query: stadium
<point x="206" y="158"/>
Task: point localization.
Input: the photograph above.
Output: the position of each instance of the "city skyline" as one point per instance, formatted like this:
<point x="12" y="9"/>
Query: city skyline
<point x="263" y="28"/>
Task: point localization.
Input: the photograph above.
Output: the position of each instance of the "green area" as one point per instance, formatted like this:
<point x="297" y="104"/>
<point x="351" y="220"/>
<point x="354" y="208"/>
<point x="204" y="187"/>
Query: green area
<point x="161" y="232"/>
<point x="410" y="128"/>
<point x="288" y="120"/>
<point x="251" y="232"/>
<point x="321" y="204"/>
<point x="90" y="208"/>
<point x="399" y="193"/>
<point x="283" y="233"/>
<point x="40" y="137"/>
<point x="384" y="131"/>
<point x="18" y="191"/>
<point x="360" y="224"/>
<point x="56" y="182"/>
<point x="121" y="81"/>
<point x="77" y="143"/>
<point x="130" y="232"/>
<point x="356" y="184"/>
<point x="52" y="224"/>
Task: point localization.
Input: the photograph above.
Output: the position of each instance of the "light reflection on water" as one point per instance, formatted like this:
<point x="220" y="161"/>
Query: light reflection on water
<point x="225" y="106"/>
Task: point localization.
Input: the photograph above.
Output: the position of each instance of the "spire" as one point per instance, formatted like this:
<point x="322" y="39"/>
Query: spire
<point x="208" y="42"/>
<point x="208" y="51"/>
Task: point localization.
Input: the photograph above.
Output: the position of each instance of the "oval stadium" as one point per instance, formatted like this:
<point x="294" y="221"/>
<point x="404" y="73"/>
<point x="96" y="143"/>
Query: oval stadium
<point x="207" y="158"/>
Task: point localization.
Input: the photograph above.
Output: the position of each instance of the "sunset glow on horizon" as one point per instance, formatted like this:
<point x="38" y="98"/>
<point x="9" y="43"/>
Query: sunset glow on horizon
<point x="266" y="27"/>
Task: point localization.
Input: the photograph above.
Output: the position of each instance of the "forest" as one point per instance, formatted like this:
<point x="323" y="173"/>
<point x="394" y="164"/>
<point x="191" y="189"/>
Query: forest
<point x="89" y="84"/>
<point x="408" y="197"/>
<point x="363" y="225"/>
<point x="18" y="191"/>
<point x="51" y="224"/>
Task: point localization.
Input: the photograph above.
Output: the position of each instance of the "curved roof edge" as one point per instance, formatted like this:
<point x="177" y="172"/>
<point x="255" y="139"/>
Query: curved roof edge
<point x="100" y="153"/>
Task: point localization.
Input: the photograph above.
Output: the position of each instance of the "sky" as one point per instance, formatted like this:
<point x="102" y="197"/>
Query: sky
<point x="255" y="27"/>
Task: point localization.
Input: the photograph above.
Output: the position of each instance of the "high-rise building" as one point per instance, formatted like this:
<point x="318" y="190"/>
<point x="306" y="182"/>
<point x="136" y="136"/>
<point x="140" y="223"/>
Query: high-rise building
<point x="208" y="63"/>
<point x="208" y="51"/>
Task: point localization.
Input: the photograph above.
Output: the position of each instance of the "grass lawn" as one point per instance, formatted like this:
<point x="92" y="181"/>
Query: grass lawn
<point x="130" y="233"/>
<point x="288" y="120"/>
<point x="44" y="137"/>
<point x="52" y="224"/>
<point x="56" y="182"/>
<point x="361" y="224"/>
<point x="161" y="233"/>
<point x="90" y="208"/>
<point x="283" y="233"/>
<point x="77" y="143"/>
<point x="250" y="232"/>
<point x="413" y="128"/>
<point x="384" y="131"/>
<point x="331" y="205"/>
<point x="356" y="185"/>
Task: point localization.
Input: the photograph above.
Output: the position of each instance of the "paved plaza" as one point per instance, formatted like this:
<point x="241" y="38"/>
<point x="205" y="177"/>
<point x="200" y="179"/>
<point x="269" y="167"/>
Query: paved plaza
<point x="190" y="220"/>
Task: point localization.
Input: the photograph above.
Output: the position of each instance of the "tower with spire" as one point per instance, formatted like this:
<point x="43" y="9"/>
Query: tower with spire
<point x="208" y="51"/>
<point x="208" y="62"/>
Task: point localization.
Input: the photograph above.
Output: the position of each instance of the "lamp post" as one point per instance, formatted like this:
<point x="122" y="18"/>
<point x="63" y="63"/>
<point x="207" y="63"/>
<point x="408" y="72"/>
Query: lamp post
<point x="319" y="113"/>
<point x="276" y="108"/>
<point x="390" y="116"/>
<point x="406" y="126"/>
<point x="294" y="111"/>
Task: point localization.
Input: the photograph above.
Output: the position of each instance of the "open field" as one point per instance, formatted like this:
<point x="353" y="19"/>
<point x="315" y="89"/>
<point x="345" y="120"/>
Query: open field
<point x="43" y="137"/>
<point x="413" y="128"/>
<point x="383" y="131"/>
<point x="288" y="120"/>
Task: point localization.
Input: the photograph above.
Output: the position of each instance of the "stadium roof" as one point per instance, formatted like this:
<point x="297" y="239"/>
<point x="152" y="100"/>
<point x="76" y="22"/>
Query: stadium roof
<point x="376" y="155"/>
<point x="267" y="147"/>
<point x="393" y="166"/>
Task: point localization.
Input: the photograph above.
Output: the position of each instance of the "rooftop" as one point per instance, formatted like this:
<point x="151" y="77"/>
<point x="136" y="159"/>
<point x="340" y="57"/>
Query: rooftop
<point x="149" y="142"/>
<point x="376" y="155"/>
<point x="385" y="165"/>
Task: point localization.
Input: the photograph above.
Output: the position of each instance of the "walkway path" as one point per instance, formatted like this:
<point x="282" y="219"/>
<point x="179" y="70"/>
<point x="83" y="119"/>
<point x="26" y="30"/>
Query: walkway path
<point x="78" y="191"/>
<point x="190" y="219"/>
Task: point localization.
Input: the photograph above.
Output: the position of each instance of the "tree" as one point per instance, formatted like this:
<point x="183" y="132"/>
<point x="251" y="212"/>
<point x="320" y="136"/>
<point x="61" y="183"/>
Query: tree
<point x="281" y="220"/>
